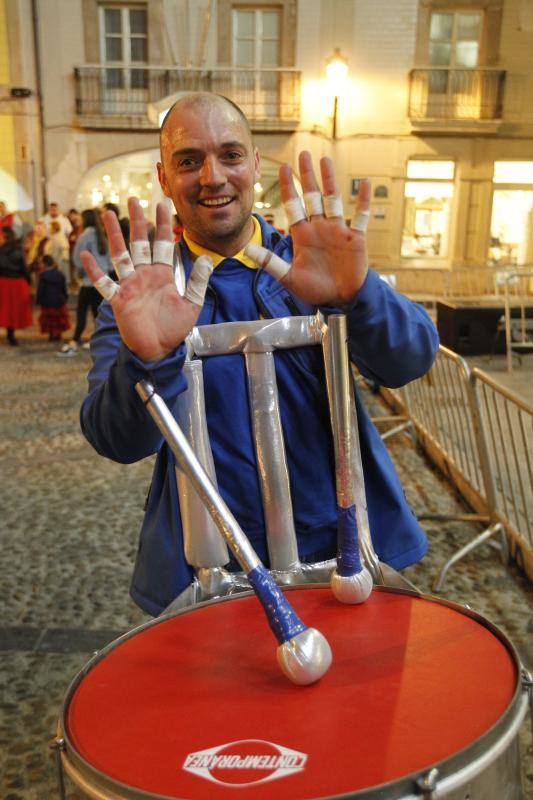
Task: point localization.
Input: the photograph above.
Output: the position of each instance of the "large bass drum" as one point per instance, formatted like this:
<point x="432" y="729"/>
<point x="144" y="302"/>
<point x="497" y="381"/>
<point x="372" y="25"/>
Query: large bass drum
<point x="424" y="700"/>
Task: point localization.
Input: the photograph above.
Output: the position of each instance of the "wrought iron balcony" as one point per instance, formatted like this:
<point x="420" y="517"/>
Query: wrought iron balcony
<point x="462" y="96"/>
<point x="118" y="97"/>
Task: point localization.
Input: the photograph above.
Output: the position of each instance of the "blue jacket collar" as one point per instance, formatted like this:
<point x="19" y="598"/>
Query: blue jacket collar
<point x="272" y="298"/>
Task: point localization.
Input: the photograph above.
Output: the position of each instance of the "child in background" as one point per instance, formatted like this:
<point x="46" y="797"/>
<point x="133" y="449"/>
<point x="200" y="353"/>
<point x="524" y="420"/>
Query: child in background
<point x="59" y="249"/>
<point x="52" y="296"/>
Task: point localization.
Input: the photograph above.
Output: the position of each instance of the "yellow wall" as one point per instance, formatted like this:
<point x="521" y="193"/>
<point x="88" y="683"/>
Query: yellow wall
<point x="7" y="132"/>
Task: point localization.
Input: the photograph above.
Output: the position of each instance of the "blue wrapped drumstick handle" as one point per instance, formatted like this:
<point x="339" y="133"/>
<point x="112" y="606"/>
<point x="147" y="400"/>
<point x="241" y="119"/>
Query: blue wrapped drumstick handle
<point x="348" y="556"/>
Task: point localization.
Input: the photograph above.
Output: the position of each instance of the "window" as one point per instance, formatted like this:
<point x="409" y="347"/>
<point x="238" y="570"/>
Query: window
<point x="454" y="38"/>
<point x="124" y="44"/>
<point x="256" y="45"/>
<point x="428" y="197"/>
<point x="256" y="38"/>
<point x="511" y="228"/>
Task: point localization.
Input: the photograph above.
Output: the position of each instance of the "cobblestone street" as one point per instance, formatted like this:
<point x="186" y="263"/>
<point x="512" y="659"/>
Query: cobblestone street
<point x="68" y="534"/>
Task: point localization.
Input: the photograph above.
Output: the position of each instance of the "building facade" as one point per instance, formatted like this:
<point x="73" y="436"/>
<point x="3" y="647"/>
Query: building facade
<point x="436" y="108"/>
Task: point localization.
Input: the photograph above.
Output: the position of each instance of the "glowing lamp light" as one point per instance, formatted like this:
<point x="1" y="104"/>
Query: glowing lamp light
<point x="336" y="75"/>
<point x="337" y="71"/>
<point x="106" y="178"/>
<point x="258" y="187"/>
<point x="144" y="203"/>
<point x="96" y="197"/>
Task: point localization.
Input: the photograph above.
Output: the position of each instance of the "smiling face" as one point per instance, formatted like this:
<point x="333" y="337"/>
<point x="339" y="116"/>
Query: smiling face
<point x="208" y="167"/>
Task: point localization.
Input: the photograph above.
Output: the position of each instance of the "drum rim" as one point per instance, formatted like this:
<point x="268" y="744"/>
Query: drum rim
<point x="507" y="725"/>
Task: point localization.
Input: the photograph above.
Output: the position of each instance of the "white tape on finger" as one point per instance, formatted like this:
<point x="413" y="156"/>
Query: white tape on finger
<point x="197" y="283"/>
<point x="360" y="221"/>
<point x="272" y="263"/>
<point x="294" y="210"/>
<point x="333" y="206"/>
<point x="164" y="252"/>
<point x="313" y="204"/>
<point x="122" y="264"/>
<point x="107" y="287"/>
<point x="140" y="252"/>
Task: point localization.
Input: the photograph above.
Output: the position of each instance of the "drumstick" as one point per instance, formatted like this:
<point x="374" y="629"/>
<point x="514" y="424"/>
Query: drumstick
<point x="351" y="582"/>
<point x="304" y="654"/>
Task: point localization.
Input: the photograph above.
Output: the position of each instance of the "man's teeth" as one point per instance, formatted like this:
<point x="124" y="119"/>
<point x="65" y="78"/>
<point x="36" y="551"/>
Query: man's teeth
<point x="216" y="201"/>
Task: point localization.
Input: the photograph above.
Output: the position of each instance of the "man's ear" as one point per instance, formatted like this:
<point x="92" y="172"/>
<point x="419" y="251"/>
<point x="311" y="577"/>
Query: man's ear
<point x="257" y="165"/>
<point x="163" y="179"/>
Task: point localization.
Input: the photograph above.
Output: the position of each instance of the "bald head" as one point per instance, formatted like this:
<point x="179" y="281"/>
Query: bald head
<point x="208" y="167"/>
<point x="200" y="101"/>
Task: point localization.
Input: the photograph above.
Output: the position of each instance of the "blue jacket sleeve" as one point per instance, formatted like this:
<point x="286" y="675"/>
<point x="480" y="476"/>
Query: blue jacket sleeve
<point x="391" y="339"/>
<point x="113" y="417"/>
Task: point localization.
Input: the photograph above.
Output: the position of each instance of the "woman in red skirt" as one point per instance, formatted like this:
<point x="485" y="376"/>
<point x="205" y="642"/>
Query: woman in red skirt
<point x="52" y="296"/>
<point x="15" y="299"/>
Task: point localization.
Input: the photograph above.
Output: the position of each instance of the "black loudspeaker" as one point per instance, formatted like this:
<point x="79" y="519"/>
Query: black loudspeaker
<point x="470" y="330"/>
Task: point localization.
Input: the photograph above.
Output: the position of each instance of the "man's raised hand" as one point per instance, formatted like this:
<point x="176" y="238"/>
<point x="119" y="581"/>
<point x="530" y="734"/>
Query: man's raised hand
<point x="330" y="260"/>
<point x="152" y="317"/>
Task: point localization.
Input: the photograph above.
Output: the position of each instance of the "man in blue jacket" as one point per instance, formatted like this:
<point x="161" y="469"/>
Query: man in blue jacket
<point x="208" y="167"/>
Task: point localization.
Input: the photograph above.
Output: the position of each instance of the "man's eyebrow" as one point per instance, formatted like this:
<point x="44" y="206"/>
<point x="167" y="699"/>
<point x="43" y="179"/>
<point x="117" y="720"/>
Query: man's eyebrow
<point x="189" y="151"/>
<point x="186" y="151"/>
<point x="234" y="143"/>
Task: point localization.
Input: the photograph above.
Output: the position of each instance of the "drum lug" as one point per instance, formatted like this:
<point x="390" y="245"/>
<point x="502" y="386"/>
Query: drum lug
<point x="527" y="683"/>
<point x="58" y="745"/>
<point x="427" y="784"/>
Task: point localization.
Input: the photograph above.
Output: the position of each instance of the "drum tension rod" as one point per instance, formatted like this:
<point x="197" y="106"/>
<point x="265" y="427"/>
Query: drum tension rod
<point x="427" y="784"/>
<point x="58" y="745"/>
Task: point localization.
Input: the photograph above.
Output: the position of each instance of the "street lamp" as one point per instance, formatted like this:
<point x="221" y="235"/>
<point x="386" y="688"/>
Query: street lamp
<point x="336" y="73"/>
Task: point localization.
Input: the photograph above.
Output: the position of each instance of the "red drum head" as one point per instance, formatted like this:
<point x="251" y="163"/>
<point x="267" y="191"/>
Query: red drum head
<point x="195" y="706"/>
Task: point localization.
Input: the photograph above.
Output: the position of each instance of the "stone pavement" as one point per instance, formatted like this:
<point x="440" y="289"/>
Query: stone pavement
<point x="68" y="533"/>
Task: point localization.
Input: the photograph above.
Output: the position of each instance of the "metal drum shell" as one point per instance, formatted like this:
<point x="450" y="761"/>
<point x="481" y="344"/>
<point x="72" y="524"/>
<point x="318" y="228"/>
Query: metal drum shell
<point x="485" y="768"/>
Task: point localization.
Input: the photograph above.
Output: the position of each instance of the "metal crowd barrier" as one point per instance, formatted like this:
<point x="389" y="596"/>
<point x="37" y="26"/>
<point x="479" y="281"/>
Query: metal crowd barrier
<point x="518" y="296"/>
<point x="506" y="424"/>
<point x="430" y="284"/>
<point x="480" y="436"/>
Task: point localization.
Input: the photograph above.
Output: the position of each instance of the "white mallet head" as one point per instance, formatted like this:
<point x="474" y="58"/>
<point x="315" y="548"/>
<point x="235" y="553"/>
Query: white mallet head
<point x="352" y="588"/>
<point x="306" y="657"/>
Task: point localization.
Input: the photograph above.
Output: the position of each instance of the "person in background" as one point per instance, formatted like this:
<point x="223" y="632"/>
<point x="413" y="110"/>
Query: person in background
<point x="115" y="210"/>
<point x="9" y="219"/>
<point x="270" y="219"/>
<point x="15" y="298"/>
<point x="94" y="241"/>
<point x="59" y="249"/>
<point x="52" y="296"/>
<point x="54" y="213"/>
<point x="36" y="244"/>
<point x="112" y="207"/>
<point x="74" y="217"/>
<point x="124" y="223"/>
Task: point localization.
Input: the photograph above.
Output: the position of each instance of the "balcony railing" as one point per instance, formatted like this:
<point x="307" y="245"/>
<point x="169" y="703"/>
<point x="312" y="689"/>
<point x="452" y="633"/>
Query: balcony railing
<point x="456" y="94"/>
<point x="114" y="96"/>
